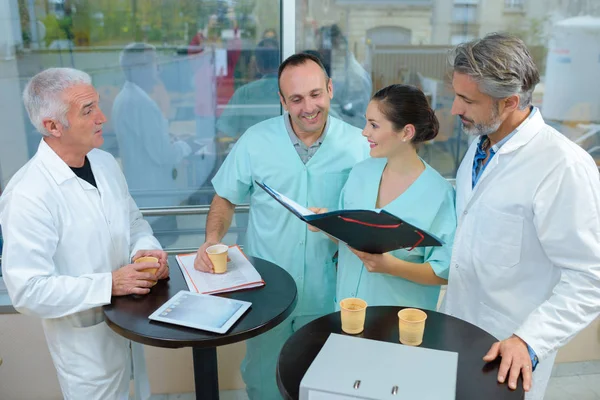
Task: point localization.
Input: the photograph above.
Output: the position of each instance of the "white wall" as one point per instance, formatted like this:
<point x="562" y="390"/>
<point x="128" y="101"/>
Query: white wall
<point x="27" y="371"/>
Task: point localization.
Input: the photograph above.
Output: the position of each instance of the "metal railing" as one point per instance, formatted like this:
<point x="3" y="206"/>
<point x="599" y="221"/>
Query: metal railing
<point x="188" y="210"/>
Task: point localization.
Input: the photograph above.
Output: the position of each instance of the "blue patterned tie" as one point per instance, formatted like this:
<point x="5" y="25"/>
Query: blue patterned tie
<point x="480" y="155"/>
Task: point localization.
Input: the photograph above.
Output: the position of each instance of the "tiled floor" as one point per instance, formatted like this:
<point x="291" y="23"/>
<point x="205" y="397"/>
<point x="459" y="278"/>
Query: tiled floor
<point x="576" y="381"/>
<point x="570" y="381"/>
<point x="224" y="395"/>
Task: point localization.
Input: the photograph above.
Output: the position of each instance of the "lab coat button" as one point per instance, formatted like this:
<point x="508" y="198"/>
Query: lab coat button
<point x="465" y="213"/>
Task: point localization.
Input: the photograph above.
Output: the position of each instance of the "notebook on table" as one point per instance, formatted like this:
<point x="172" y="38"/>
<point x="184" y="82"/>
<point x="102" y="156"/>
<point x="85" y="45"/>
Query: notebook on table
<point x="240" y="274"/>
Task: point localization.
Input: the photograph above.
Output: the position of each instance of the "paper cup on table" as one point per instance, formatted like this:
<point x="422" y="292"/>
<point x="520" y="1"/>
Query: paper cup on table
<point x="411" y="322"/>
<point x="353" y="312"/>
<point x="151" y="260"/>
<point x="218" y="255"/>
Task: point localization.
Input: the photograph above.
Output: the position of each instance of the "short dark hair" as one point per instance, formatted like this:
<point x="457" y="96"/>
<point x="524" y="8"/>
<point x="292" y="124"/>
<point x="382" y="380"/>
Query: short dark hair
<point x="405" y="104"/>
<point x="267" y="55"/>
<point x="299" y="59"/>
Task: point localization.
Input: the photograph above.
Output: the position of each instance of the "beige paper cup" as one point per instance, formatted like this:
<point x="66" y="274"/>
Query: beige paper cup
<point x="353" y="312"/>
<point x="148" y="259"/>
<point x="411" y="322"/>
<point x="218" y="255"/>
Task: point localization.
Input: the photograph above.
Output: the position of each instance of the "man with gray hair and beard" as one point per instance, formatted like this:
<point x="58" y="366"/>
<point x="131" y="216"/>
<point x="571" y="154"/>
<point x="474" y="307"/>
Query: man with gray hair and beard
<point x="526" y="260"/>
<point x="71" y="236"/>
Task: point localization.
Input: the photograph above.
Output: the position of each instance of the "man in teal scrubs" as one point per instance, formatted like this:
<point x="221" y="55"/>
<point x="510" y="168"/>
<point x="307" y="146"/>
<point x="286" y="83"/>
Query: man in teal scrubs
<point x="307" y="155"/>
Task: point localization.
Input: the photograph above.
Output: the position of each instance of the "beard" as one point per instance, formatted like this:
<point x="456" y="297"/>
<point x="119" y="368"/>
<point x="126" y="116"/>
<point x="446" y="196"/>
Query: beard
<point x="482" y="129"/>
<point x="485" y="128"/>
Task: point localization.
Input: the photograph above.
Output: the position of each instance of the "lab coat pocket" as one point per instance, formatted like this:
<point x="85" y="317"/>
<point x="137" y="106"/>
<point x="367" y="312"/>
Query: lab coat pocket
<point x="499" y="238"/>
<point x="495" y="323"/>
<point x="98" y="354"/>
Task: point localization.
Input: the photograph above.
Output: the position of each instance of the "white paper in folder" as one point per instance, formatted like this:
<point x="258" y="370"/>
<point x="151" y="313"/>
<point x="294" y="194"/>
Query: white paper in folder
<point x="240" y="274"/>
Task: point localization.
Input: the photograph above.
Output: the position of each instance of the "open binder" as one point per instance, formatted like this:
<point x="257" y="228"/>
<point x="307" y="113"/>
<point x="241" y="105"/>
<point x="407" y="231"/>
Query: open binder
<point x="370" y="231"/>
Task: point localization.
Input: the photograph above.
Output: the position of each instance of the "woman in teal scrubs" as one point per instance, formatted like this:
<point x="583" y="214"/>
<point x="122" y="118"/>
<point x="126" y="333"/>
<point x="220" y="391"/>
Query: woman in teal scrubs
<point x="397" y="180"/>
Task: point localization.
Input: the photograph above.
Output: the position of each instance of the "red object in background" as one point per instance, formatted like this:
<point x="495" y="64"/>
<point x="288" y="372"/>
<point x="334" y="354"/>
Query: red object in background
<point x="225" y="85"/>
<point x="196" y="43"/>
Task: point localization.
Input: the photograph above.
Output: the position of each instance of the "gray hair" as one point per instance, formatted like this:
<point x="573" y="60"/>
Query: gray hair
<point x="500" y="64"/>
<point x="43" y="95"/>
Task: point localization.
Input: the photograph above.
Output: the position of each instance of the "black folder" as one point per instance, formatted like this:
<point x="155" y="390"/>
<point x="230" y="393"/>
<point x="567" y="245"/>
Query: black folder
<point x="370" y="231"/>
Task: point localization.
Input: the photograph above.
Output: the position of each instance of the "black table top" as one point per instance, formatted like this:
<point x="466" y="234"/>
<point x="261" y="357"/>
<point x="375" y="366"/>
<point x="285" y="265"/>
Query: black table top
<point x="271" y="304"/>
<point x="475" y="380"/>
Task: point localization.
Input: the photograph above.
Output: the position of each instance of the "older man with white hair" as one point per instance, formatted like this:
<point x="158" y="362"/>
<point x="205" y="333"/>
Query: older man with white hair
<point x="71" y="235"/>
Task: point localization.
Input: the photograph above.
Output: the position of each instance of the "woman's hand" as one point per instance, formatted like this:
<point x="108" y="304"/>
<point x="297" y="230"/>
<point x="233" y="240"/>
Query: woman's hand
<point x="379" y="263"/>
<point x="316" y="210"/>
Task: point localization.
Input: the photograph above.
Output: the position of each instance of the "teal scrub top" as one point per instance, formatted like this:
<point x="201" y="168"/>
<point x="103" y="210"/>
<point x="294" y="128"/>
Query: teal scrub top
<point x="428" y="204"/>
<point x="265" y="153"/>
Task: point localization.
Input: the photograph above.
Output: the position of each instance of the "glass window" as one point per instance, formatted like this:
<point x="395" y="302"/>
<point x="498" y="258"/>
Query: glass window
<point x="409" y="41"/>
<point x="464" y="13"/>
<point x="179" y="81"/>
<point x="516" y="5"/>
<point x="459" y="38"/>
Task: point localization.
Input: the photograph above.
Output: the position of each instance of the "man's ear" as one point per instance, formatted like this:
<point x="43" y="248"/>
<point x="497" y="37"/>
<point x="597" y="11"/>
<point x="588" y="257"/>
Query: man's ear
<point x="511" y="103"/>
<point x="52" y="127"/>
<point x="330" y="88"/>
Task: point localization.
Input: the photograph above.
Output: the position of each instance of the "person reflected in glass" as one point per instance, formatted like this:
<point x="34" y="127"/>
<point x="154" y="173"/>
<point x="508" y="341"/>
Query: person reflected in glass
<point x="351" y="82"/>
<point x="252" y="103"/>
<point x="153" y="163"/>
<point x="270" y="33"/>
<point x="397" y="180"/>
<point x="257" y="100"/>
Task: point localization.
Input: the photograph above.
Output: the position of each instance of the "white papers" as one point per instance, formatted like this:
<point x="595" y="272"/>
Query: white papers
<point x="240" y="274"/>
<point x="297" y="207"/>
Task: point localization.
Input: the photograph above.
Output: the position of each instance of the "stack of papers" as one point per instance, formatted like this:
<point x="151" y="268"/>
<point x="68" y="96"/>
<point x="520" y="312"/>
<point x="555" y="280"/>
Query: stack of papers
<point x="240" y="274"/>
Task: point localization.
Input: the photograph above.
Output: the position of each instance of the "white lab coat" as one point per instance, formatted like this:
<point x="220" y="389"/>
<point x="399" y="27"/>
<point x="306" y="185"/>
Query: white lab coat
<point x="526" y="257"/>
<point x="151" y="162"/>
<point x="62" y="239"/>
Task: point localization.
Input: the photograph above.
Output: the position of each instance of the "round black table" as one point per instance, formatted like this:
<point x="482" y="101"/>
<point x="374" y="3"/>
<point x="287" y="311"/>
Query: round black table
<point x="271" y="305"/>
<point x="475" y="380"/>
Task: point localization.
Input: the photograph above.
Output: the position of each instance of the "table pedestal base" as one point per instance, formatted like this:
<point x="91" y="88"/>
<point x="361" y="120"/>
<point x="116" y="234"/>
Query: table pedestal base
<point x="206" y="376"/>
